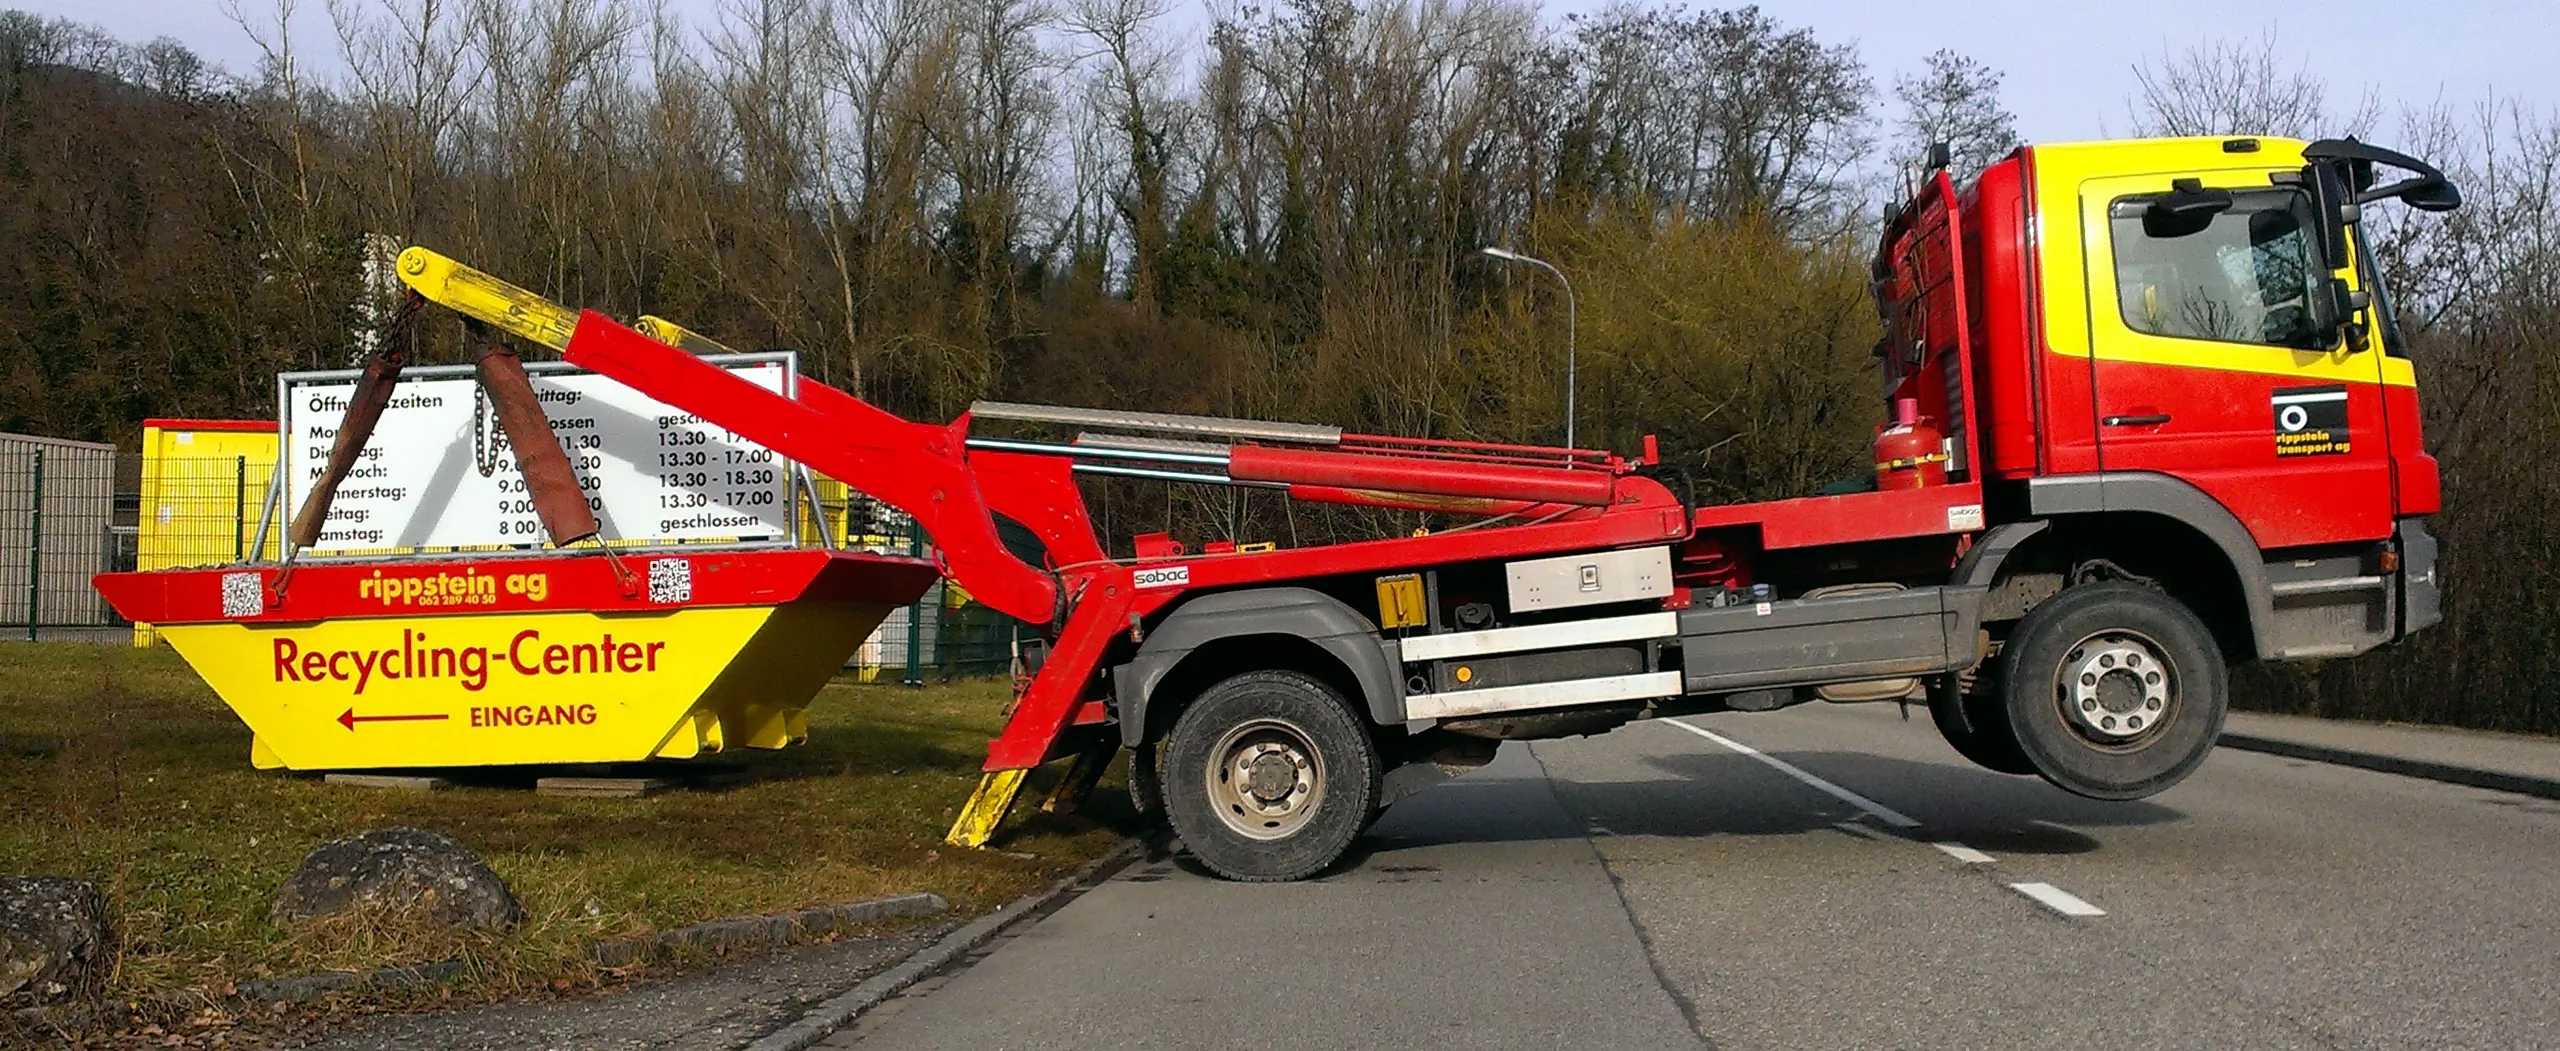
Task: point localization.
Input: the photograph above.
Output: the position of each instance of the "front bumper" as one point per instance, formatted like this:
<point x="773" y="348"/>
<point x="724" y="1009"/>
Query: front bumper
<point x="2421" y="586"/>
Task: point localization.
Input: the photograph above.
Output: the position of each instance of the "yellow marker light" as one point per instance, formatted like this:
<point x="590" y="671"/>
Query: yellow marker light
<point x="1400" y="601"/>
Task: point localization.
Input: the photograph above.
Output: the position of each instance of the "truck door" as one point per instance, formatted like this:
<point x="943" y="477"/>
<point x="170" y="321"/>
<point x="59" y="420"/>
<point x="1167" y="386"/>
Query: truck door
<point x="2206" y="363"/>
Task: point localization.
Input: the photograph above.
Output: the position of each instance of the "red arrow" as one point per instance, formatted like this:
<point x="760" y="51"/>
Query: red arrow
<point x="349" y="719"/>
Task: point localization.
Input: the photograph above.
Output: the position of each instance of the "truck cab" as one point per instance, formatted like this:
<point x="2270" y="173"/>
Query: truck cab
<point x="2172" y="328"/>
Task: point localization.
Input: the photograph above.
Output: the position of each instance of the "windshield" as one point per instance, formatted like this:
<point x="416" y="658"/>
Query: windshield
<point x="2244" y="277"/>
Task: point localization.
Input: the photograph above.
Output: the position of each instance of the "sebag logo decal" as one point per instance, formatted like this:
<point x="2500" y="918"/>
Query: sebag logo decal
<point x="2310" y="421"/>
<point x="1162" y="577"/>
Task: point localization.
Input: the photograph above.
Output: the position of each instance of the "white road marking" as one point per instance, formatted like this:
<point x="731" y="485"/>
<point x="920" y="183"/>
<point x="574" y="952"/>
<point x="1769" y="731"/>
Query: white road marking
<point x="1879" y="811"/>
<point x="1963" y="853"/>
<point x="2046" y="894"/>
<point x="2057" y="899"/>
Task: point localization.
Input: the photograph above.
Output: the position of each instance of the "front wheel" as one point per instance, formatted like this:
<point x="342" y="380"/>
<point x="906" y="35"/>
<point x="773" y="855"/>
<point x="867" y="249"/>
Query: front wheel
<point x="2114" y="690"/>
<point x="1268" y="776"/>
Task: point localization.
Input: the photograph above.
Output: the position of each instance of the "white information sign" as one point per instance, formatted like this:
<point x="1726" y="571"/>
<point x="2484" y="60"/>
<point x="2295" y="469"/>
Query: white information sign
<point x="651" y="472"/>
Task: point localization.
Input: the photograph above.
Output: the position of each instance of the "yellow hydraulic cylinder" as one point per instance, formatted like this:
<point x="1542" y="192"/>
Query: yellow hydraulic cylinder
<point x="478" y="295"/>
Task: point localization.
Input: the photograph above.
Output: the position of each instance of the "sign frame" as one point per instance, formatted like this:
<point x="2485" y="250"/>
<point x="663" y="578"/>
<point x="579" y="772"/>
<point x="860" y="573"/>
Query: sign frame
<point x="793" y="475"/>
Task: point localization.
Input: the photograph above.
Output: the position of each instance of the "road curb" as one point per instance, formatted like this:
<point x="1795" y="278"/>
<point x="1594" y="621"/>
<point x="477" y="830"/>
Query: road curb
<point x="824" y="1018"/>
<point x="2521" y="784"/>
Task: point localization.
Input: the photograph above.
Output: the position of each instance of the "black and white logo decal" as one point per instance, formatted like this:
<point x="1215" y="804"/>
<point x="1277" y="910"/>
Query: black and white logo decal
<point x="2310" y="421"/>
<point x="1162" y="577"/>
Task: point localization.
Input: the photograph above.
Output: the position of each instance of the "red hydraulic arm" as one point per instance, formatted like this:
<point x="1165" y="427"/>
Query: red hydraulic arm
<point x="1037" y="491"/>
<point x="1040" y="493"/>
<point x="918" y="468"/>
<point x="1409" y="474"/>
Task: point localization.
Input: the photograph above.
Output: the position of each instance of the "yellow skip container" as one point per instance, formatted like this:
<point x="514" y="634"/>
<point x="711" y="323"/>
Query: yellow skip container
<point x="475" y="661"/>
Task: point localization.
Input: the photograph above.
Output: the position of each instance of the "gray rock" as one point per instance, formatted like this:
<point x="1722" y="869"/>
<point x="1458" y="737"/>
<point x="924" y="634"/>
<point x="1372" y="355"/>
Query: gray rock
<point x="401" y="870"/>
<point x="53" y="937"/>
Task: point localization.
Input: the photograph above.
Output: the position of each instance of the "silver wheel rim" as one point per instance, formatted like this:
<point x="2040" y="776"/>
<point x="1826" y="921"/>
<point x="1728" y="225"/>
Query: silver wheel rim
<point x="1265" y="779"/>
<point x="2116" y="688"/>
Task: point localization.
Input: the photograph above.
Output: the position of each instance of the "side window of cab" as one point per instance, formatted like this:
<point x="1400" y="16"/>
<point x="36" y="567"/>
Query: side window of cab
<point x="2244" y="276"/>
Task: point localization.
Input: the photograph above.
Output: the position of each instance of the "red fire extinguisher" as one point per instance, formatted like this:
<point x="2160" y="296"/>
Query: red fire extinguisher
<point x="1909" y="454"/>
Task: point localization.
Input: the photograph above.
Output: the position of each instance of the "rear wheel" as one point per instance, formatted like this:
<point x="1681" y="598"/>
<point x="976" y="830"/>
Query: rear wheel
<point x="1268" y="776"/>
<point x="2114" y="690"/>
<point x="1976" y="725"/>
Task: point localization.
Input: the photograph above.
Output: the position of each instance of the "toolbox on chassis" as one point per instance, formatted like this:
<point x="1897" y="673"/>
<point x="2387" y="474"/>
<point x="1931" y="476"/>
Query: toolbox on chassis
<point x="2152" y="417"/>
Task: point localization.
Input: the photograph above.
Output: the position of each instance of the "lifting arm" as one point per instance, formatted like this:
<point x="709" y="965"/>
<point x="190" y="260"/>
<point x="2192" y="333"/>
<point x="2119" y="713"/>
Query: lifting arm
<point x="917" y="468"/>
<point x="934" y="472"/>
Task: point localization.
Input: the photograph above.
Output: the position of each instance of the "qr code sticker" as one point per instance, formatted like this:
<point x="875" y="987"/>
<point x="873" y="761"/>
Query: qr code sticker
<point x="243" y="595"/>
<point x="670" y="581"/>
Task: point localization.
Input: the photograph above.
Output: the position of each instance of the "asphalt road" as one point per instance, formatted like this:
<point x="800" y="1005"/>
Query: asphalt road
<point x="1658" y="888"/>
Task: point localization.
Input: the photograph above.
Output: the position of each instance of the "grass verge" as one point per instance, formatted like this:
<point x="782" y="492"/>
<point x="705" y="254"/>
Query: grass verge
<point x="120" y="766"/>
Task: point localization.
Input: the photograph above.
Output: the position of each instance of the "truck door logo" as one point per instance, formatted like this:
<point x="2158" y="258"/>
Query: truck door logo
<point x="2310" y="421"/>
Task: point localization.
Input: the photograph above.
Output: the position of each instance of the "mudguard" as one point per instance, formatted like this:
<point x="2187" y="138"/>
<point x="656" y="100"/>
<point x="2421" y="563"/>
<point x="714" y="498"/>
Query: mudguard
<point x="1299" y="612"/>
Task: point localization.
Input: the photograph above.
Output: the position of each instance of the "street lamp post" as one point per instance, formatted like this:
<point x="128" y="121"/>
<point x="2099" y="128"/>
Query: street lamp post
<point x="1509" y="256"/>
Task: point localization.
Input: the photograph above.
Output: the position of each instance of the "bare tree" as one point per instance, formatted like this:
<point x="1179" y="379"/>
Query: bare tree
<point x="2233" y="87"/>
<point x="409" y="74"/>
<point x="887" y="64"/>
<point x="1129" y="90"/>
<point x="1720" y="112"/>
<point x="1956" y="100"/>
<point x="282" y="178"/>
<point x="769" y="54"/>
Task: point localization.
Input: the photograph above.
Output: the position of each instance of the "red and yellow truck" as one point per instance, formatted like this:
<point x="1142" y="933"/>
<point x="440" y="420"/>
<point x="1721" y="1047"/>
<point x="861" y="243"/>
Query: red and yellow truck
<point x="2152" y="417"/>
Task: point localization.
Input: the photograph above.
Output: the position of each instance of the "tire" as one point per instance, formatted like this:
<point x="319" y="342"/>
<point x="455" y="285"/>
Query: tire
<point x="1976" y="725"/>
<point x="1146" y="786"/>
<point x="2114" y="690"/>
<point x="1269" y="776"/>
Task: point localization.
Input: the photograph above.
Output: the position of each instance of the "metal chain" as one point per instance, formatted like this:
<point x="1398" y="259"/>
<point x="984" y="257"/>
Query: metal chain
<point x="484" y="438"/>
<point x="396" y="328"/>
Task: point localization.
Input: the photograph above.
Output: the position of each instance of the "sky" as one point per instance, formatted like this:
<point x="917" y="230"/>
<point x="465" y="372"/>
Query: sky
<point x="2068" y="65"/>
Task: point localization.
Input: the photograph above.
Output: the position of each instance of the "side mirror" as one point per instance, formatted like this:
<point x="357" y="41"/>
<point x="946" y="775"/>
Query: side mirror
<point x="2427" y="191"/>
<point x="2333" y="206"/>
<point x="2439" y="196"/>
<point x="2186" y="209"/>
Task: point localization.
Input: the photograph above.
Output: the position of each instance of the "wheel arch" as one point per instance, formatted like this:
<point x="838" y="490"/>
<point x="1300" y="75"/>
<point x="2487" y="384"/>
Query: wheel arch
<point x="2164" y="529"/>
<point x="1212" y="637"/>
